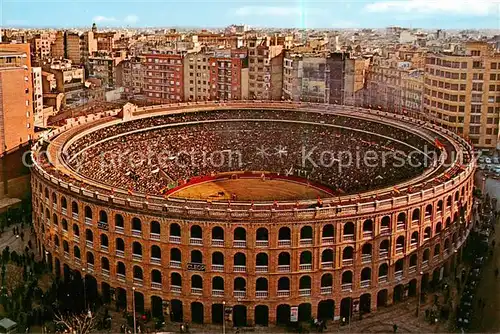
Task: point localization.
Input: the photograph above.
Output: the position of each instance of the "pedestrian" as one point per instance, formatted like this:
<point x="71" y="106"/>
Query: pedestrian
<point x="395" y="328"/>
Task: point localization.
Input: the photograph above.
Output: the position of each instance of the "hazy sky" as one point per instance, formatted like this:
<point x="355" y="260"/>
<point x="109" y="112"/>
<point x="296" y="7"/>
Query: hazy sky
<point x="217" y="13"/>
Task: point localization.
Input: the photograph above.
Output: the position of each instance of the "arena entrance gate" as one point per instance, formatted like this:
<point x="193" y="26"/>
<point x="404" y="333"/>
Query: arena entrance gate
<point x="176" y="313"/>
<point x="326" y="309"/>
<point x="240" y="316"/>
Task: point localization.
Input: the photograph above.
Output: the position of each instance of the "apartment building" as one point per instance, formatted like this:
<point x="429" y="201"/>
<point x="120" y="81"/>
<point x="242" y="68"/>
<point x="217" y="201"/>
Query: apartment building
<point x="413" y="92"/>
<point x="76" y="47"/>
<point x="70" y="81"/>
<point x="462" y="92"/>
<point x="384" y="83"/>
<point x="197" y="76"/>
<point x="164" y="80"/>
<point x="228" y="79"/>
<point x="37" y="96"/>
<point x="305" y="77"/>
<point x="265" y="69"/>
<point x="102" y="66"/>
<point x="132" y="75"/>
<point x="41" y="46"/>
<point x="16" y="96"/>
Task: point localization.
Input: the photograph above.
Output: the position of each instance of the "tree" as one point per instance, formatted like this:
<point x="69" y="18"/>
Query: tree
<point x="77" y="323"/>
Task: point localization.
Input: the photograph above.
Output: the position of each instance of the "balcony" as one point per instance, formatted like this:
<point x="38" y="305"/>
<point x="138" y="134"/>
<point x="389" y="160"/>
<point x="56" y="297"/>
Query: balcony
<point x="90" y="267"/>
<point x="196" y="241"/>
<point x="304" y="292"/>
<point x="412" y="269"/>
<point x="327" y="265"/>
<point x="137" y="257"/>
<point x="327" y="240"/>
<point x="239" y="269"/>
<point x="156" y="286"/>
<point x="425" y="263"/>
<point x="239" y="243"/>
<point x="64" y="211"/>
<point x="217" y="293"/>
<point x="120" y="253"/>
<point x="347" y="262"/>
<point x="306" y="242"/>
<point x="365" y="284"/>
<point x="284" y="268"/>
<point x="283" y="293"/>
<point x="346" y="286"/>
<point x="176" y="288"/>
<point x="365" y="258"/>
<point x="399" y="249"/>
<point x="400" y="227"/>
<point x="119" y="229"/>
<point x="261" y="269"/>
<point x="196" y="291"/>
<point x="78" y="261"/>
<point x="326" y="290"/>
<point x="348" y="237"/>
<point x="75" y="216"/>
<point x="175" y="239"/>
<point x="175" y="264"/>
<point x="76" y="238"/>
<point x="367" y="234"/>
<point x="413" y="244"/>
<point x="261" y="294"/>
<point x="137" y="233"/>
<point x="239" y="294"/>
<point x="88" y="221"/>
<point x="262" y="243"/>
<point x="104" y="248"/>
<point x="155" y="260"/>
<point x="384" y="230"/>
<point x="414" y="222"/>
<point x="398" y="275"/>
<point x="284" y="243"/>
<point x="121" y="277"/>
<point x="90" y="244"/>
<point x="105" y="273"/>
<point x="66" y="255"/>
<point x="217" y="243"/>
<point x="305" y="266"/>
<point x="382" y="279"/>
<point x="383" y="253"/>
<point x="218" y="267"/>
<point x="154" y="236"/>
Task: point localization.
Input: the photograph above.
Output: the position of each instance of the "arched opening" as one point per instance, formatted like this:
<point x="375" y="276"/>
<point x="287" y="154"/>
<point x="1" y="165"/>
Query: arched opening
<point x="196" y="282"/>
<point x="283" y="284"/>
<point x="262" y="237"/>
<point x="448" y="202"/>
<point x="136" y="225"/>
<point x="120" y="269"/>
<point x="261" y="262"/>
<point x="447" y="223"/>
<point x="384" y="248"/>
<point x="57" y="269"/>
<point x="138" y="273"/>
<point x="304" y="312"/>
<point x="367" y="227"/>
<point x="284" y="236"/>
<point x="155" y="254"/>
<point x="90" y="258"/>
<point x="439" y="208"/>
<point x="240" y="285"/>
<point x="139" y="302"/>
<point x="326" y="283"/>
<point x="428" y="210"/>
<point x="196" y="233"/>
<point x="197" y="312"/>
<point x="365" y="303"/>
<point x="401" y="221"/>
<point x="217" y="313"/>
<point x="437" y="250"/>
<point x="366" y="277"/>
<point x="427" y="233"/>
<point x="175" y="281"/>
<point x="366" y="252"/>
<point x="346" y="280"/>
<point x="306" y="235"/>
<point x="74" y="209"/>
<point x="326" y="309"/>
<point x="239" y="262"/>
<point x="383" y="269"/>
<point x="426" y="255"/>
<point x="347" y="254"/>
<point x="89" y="236"/>
<point x="217" y="261"/>
<point x="120" y="244"/>
<point x="103" y="217"/>
<point x="413" y="260"/>
<point x="415" y="216"/>
<point x="438" y="228"/>
<point x="156" y="276"/>
<point x="106" y="292"/>
<point x="217" y="284"/>
<point x="175" y="257"/>
<point x="105" y="264"/>
<point x="176" y="314"/>
<point x="414" y="239"/>
<point x="76" y="230"/>
<point x="348" y="231"/>
<point x="155" y="229"/>
<point x="196" y="256"/>
<point x="76" y="252"/>
<point x="400" y="244"/>
<point x="239" y="316"/>
<point x="327" y="234"/>
<point x="104" y="241"/>
<point x="382" y="298"/>
<point x="327" y="258"/>
<point x="121" y="298"/>
<point x="64" y="204"/>
<point x="283" y="314"/>
<point x="261" y="315"/>
<point x="346" y="309"/>
<point x="88" y="213"/>
<point x="397" y="295"/>
<point x="175" y="230"/>
<point x="398" y="267"/>
<point x="283" y="261"/>
<point x="412" y="288"/>
<point x="156" y="307"/>
<point x="136" y="249"/>
<point x="64" y="224"/>
<point x="385" y="223"/>
<point x="305" y="285"/>
<point x="119" y="224"/>
<point x="240" y="234"/>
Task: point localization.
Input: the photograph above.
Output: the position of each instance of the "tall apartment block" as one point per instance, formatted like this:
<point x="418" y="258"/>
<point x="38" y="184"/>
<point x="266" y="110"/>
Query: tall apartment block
<point x="197" y="76"/>
<point x="16" y="99"/>
<point x="462" y="92"/>
<point x="37" y="96"/>
<point x="164" y="80"/>
<point x="265" y="69"/>
<point x="305" y="77"/>
<point x="228" y="79"/>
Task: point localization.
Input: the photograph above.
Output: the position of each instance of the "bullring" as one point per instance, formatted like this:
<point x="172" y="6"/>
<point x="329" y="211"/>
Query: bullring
<point x="362" y="247"/>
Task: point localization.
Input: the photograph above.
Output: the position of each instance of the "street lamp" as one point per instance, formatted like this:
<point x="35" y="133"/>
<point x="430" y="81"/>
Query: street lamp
<point x="133" y="308"/>
<point x="419" y="295"/>
<point x="224" y="317"/>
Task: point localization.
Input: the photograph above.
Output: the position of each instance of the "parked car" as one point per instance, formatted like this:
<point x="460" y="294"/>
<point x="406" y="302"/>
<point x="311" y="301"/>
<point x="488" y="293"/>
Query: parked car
<point x="487" y="160"/>
<point x="496" y="160"/>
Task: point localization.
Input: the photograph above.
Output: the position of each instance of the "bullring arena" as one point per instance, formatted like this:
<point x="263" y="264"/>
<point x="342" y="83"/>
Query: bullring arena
<point x="262" y="232"/>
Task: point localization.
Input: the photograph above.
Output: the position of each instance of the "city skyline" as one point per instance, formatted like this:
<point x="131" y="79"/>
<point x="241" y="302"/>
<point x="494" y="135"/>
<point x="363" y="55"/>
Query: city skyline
<point x="446" y="14"/>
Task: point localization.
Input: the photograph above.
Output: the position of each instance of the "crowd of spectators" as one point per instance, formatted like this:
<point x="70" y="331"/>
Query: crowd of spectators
<point x="346" y="160"/>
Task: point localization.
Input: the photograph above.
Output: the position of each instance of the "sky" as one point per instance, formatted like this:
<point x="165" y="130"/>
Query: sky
<point x="427" y="14"/>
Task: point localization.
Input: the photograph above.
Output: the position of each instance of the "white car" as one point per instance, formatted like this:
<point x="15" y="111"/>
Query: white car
<point x="487" y="160"/>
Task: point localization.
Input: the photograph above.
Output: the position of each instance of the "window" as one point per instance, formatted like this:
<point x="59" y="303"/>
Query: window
<point x="493" y="66"/>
